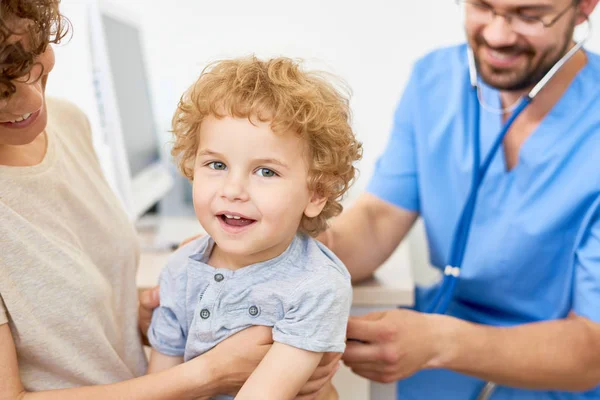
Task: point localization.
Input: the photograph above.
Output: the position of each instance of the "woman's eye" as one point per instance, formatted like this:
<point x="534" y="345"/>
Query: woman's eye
<point x="267" y="173"/>
<point x="219" y="166"/>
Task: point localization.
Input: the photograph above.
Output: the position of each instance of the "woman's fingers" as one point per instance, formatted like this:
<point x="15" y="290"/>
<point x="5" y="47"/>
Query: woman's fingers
<point x="148" y="301"/>
<point x="316" y="385"/>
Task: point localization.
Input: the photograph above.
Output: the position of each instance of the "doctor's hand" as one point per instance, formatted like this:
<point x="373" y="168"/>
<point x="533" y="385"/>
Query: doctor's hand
<point x="393" y="345"/>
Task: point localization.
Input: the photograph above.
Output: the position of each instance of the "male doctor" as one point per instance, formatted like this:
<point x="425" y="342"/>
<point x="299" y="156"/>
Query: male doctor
<point x="526" y="310"/>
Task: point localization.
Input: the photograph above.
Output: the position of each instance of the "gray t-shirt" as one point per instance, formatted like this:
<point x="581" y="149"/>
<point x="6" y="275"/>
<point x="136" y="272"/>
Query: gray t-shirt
<point x="304" y="294"/>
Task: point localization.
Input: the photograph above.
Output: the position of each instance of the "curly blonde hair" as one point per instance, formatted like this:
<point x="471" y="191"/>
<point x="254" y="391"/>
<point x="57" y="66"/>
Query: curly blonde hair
<point x="277" y="91"/>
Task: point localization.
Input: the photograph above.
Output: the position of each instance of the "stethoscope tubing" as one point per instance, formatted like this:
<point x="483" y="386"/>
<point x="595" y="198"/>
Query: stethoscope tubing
<point x="446" y="291"/>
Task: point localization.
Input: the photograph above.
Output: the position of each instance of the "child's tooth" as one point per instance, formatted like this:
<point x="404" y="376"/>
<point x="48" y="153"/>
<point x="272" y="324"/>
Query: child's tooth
<point x="232" y="216"/>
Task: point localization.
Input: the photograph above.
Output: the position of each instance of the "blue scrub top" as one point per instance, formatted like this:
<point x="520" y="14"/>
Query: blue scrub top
<point x="533" y="253"/>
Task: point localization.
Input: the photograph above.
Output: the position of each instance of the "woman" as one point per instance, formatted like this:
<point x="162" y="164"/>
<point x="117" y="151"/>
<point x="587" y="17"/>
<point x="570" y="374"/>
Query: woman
<point x="68" y="255"/>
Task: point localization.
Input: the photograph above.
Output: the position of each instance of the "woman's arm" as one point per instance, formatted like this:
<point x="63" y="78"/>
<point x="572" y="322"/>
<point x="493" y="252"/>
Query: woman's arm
<point x="221" y="370"/>
<point x="281" y="374"/>
<point x="183" y="382"/>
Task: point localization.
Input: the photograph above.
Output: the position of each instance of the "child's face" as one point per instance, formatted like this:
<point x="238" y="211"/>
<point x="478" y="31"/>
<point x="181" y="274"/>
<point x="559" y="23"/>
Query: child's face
<point x="250" y="187"/>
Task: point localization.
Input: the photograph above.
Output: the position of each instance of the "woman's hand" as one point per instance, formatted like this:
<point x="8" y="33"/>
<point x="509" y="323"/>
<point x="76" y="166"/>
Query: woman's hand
<point x="148" y="300"/>
<point x="320" y="381"/>
<point x="234" y="359"/>
<point x="392" y="345"/>
<point x="192" y="238"/>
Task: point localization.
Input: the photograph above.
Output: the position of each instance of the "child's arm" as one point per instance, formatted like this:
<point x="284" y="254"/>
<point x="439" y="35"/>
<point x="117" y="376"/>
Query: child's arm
<point x="160" y="362"/>
<point x="281" y="374"/>
<point x="314" y="322"/>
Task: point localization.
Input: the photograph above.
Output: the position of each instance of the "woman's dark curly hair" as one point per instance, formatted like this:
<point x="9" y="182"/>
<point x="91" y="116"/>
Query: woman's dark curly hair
<point x="43" y="25"/>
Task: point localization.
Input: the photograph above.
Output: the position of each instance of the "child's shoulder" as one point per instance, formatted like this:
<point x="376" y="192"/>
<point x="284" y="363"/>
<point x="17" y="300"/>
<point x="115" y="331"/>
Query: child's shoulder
<point x="177" y="262"/>
<point x="320" y="262"/>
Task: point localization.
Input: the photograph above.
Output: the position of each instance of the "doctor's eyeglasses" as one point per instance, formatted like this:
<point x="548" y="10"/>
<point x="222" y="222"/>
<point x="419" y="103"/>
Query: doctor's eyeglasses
<point x="527" y="22"/>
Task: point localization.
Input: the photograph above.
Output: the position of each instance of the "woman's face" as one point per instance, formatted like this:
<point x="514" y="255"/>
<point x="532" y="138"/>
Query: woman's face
<point x="23" y="115"/>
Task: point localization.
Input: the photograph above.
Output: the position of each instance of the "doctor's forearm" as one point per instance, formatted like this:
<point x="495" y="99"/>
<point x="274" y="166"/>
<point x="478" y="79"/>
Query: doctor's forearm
<point x="553" y="355"/>
<point x="350" y="249"/>
<point x="366" y="234"/>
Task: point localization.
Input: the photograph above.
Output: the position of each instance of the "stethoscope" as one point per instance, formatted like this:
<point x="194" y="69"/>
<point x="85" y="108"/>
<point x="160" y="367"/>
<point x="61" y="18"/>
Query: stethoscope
<point x="447" y="287"/>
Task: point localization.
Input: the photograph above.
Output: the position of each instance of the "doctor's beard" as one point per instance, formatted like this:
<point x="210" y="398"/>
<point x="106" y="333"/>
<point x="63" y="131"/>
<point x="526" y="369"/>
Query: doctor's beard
<point x="523" y="76"/>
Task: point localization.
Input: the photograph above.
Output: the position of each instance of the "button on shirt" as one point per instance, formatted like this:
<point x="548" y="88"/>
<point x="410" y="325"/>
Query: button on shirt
<point x="304" y="294"/>
<point x="533" y="253"/>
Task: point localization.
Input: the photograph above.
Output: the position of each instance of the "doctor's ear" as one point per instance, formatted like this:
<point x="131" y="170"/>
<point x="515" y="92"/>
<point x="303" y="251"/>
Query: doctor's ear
<point x="315" y="205"/>
<point x="585" y="9"/>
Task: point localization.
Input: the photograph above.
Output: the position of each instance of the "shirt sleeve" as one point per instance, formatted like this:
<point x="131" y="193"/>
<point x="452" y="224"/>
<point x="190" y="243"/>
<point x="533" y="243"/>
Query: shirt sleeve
<point x="586" y="293"/>
<point x="395" y="177"/>
<point x="316" y="317"/>
<point x="167" y="332"/>
<point x="3" y="312"/>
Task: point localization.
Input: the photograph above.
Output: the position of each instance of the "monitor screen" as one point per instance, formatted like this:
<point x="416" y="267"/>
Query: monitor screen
<point x="128" y="71"/>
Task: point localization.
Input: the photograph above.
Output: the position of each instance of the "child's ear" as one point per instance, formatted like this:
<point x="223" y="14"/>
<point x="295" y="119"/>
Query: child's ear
<point x="315" y="205"/>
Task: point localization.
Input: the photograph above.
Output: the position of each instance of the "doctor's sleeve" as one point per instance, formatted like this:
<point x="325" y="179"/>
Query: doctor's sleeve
<point x="395" y="177"/>
<point x="586" y="291"/>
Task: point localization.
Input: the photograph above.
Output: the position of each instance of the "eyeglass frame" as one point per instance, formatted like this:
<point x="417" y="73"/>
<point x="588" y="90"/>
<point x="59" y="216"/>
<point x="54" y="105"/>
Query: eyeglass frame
<point x="508" y="16"/>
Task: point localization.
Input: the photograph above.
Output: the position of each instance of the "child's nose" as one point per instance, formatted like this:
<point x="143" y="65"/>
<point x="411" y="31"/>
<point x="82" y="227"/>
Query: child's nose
<point x="235" y="189"/>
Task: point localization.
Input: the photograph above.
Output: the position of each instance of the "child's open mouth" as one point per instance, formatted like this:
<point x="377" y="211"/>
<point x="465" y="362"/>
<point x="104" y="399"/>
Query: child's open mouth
<point x="236" y="220"/>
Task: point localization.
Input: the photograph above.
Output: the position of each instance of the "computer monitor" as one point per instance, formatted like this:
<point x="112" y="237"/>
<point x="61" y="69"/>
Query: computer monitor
<point x="150" y="179"/>
<point x="101" y="68"/>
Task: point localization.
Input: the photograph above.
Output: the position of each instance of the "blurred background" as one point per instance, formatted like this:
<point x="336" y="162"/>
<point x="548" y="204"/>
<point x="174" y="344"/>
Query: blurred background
<point x="128" y="62"/>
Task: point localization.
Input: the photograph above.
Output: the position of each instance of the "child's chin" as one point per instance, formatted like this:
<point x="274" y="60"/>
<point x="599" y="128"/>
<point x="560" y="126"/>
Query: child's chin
<point x="234" y="247"/>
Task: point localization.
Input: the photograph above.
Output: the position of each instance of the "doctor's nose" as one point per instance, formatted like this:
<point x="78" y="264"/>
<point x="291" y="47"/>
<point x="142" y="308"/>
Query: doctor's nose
<point x="499" y="33"/>
<point x="234" y="189"/>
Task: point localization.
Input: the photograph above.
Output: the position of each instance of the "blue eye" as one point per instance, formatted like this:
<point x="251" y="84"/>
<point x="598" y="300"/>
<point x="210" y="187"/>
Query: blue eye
<point x="219" y="166"/>
<point x="266" y="172"/>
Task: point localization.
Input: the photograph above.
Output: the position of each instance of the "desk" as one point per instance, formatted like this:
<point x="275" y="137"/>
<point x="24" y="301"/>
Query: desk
<point x="392" y="286"/>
